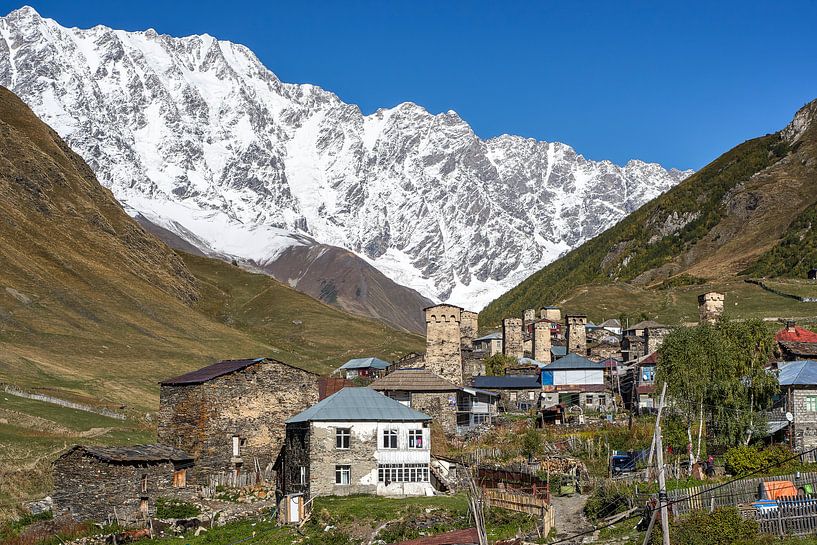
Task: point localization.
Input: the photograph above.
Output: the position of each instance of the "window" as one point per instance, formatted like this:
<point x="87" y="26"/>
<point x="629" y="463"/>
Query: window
<point x="415" y="438"/>
<point x="480" y="419"/>
<point x="532" y="396"/>
<point x="303" y="475"/>
<point x="389" y="438"/>
<point x="402" y="473"/>
<point x="647" y="374"/>
<point x="602" y="400"/>
<point x="513" y="396"/>
<point x="342" y="438"/>
<point x="343" y="474"/>
<point x="236" y="446"/>
<point x="180" y="478"/>
<point x="811" y="404"/>
<point x="588" y="400"/>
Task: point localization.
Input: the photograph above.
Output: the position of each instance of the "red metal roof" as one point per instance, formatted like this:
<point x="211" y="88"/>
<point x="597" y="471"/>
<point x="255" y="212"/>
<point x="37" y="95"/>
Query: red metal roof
<point x="796" y="334"/>
<point x="457" y="537"/>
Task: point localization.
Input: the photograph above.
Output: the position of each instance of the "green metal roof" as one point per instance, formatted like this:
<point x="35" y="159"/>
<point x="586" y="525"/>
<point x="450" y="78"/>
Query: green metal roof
<point x="358" y="405"/>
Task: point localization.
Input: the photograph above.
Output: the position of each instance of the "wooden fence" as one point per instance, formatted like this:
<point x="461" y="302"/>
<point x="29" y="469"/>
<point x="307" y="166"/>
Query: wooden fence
<point x="791" y="517"/>
<point x="523" y="503"/>
<point x="232" y="479"/>
<point x="712" y="496"/>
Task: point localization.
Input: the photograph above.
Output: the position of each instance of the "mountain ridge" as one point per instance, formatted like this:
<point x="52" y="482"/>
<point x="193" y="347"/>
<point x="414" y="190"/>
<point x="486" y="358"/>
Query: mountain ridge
<point x="199" y="122"/>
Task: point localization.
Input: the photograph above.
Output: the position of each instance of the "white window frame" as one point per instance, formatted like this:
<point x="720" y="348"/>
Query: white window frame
<point x="342" y="470"/>
<point x="811" y="403"/>
<point x="403" y="473"/>
<point x="390" y="439"/>
<point x="303" y="475"/>
<point x="416" y="440"/>
<point x="340" y="435"/>
<point x="236" y="446"/>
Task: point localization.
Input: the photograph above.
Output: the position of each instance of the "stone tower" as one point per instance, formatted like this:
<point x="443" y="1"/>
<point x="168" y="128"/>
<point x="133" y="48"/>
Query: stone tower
<point x="443" y="341"/>
<point x="541" y="342"/>
<point x="529" y="316"/>
<point x="512" y="341"/>
<point x="576" y="334"/>
<point x="551" y="313"/>
<point x="469" y="325"/>
<point x="710" y="306"/>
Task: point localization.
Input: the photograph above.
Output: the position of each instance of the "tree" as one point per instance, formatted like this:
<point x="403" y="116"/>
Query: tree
<point x="716" y="372"/>
<point x="496" y="364"/>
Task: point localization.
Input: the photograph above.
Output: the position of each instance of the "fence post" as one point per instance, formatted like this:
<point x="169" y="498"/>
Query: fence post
<point x="780" y="518"/>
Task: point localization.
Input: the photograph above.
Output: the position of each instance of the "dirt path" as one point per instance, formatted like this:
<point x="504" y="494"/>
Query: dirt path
<point x="570" y="517"/>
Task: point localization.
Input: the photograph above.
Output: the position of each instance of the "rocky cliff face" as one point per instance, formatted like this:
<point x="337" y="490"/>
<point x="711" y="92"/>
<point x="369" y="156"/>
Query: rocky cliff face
<point x="198" y="132"/>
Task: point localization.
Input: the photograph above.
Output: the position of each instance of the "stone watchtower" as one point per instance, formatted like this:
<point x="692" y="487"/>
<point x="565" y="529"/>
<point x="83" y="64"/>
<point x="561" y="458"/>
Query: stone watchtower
<point x="710" y="306"/>
<point x="551" y="313"/>
<point x="443" y="341"/>
<point x="529" y="316"/>
<point x="541" y="342"/>
<point x="576" y="334"/>
<point x="512" y="342"/>
<point x="469" y="325"/>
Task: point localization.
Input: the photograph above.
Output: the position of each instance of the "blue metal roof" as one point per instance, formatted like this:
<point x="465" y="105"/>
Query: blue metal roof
<point x="507" y="382"/>
<point x="358" y="405"/>
<point x="365" y="363"/>
<point x="558" y="350"/>
<point x="573" y="361"/>
<point x="798" y="373"/>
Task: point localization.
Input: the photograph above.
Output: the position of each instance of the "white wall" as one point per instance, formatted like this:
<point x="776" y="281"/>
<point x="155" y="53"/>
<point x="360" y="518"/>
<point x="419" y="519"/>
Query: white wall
<point x="577" y="376"/>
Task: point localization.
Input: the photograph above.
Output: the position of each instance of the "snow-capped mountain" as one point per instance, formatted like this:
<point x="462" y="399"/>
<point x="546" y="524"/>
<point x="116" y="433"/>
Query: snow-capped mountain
<point x="197" y="135"/>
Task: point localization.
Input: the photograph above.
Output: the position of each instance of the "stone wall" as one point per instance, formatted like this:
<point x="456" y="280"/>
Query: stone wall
<point x="553" y="314"/>
<point x="805" y="421"/>
<point x="653" y="338"/>
<point x="294" y="456"/>
<point x="473" y="365"/>
<point x="541" y="342"/>
<point x="710" y="306"/>
<point x="529" y="315"/>
<point x="252" y="404"/>
<point x="576" y="334"/>
<point x="469" y="328"/>
<point x="512" y="341"/>
<point x="90" y="488"/>
<point x="441" y="406"/>
<point x="443" y="342"/>
<point x="510" y="400"/>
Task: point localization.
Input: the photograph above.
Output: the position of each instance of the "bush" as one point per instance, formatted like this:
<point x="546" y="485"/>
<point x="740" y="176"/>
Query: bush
<point x="170" y="508"/>
<point x="724" y="526"/>
<point x="748" y="459"/>
<point x="606" y="500"/>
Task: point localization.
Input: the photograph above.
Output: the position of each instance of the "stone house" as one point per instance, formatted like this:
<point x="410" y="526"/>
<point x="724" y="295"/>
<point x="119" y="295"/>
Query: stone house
<point x="612" y="325"/>
<point x="516" y="392"/>
<point x="357" y="441"/>
<point x="575" y="380"/>
<point x="230" y="415"/>
<point x="455" y="408"/>
<point x="796" y="343"/>
<point x="118" y="483"/>
<point x="798" y="385"/>
<point x="604" y="347"/>
<point x="367" y="368"/>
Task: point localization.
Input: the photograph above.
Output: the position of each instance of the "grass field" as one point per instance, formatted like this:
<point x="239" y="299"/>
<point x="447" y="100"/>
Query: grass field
<point x="792" y="286"/>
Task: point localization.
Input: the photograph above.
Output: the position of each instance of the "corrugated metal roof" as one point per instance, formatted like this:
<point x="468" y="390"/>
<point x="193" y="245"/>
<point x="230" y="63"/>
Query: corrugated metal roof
<point x="558" y="350"/>
<point x="134" y="453"/>
<point x="508" y="382"/>
<point x="573" y="361"/>
<point x="358" y="405"/>
<point x="798" y="373"/>
<point x="365" y="363"/>
<point x="413" y="380"/>
<point x="219" y="369"/>
<point x="490" y="336"/>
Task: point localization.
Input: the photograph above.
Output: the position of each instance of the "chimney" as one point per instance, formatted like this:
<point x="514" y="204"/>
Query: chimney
<point x="790" y="325"/>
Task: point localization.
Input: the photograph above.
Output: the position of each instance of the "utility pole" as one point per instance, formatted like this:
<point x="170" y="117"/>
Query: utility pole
<point x="662" y="485"/>
<point x="655" y="432"/>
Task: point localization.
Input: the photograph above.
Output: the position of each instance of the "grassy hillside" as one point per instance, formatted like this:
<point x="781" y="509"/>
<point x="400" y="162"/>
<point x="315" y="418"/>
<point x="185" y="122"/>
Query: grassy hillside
<point x="713" y="225"/>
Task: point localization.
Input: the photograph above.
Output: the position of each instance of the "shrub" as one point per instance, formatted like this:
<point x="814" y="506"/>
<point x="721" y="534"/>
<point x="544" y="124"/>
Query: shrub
<point x="724" y="526"/>
<point x="748" y="459"/>
<point x="170" y="508"/>
<point x="606" y="500"/>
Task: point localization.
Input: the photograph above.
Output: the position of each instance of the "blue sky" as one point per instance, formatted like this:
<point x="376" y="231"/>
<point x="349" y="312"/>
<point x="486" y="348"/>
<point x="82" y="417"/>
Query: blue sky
<point x="677" y="83"/>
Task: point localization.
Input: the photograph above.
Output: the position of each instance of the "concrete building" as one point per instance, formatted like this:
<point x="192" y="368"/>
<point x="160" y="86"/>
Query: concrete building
<point x="541" y="344"/>
<point x="513" y="343"/>
<point x="357" y="441"/>
<point x="118" y="483"/>
<point x="576" y="333"/>
<point x="444" y="341"/>
<point x="710" y="306"/>
<point x="469" y="328"/>
<point x="457" y="409"/>
<point x="489" y="344"/>
<point x="231" y="414"/>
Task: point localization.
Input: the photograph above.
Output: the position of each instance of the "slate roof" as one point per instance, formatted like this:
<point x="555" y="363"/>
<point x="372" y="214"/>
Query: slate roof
<point x="646" y="324"/>
<point x="573" y="361"/>
<point x="358" y="405"/>
<point x="507" y="382"/>
<point x="413" y="380"/>
<point x="219" y="369"/>
<point x="798" y="373"/>
<point x="366" y="363"/>
<point x="799" y="349"/>
<point x="134" y="453"/>
<point x="490" y="336"/>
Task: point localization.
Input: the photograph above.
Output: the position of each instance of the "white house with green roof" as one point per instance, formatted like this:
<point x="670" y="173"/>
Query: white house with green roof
<point x="356" y="441"/>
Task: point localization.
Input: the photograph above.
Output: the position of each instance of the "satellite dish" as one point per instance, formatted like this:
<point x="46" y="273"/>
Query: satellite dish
<point x="789" y="417"/>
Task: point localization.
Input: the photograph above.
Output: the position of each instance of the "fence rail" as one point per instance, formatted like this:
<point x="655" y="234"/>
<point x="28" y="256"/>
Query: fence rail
<point x="62" y="402"/>
<point x="231" y="479"/>
<point x="712" y="496"/>
<point x="523" y="503"/>
<point x="791" y="517"/>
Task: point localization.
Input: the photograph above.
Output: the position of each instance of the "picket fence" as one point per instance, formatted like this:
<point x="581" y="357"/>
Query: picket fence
<point x="791" y="517"/>
<point x="708" y="497"/>
<point x="523" y="503"/>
